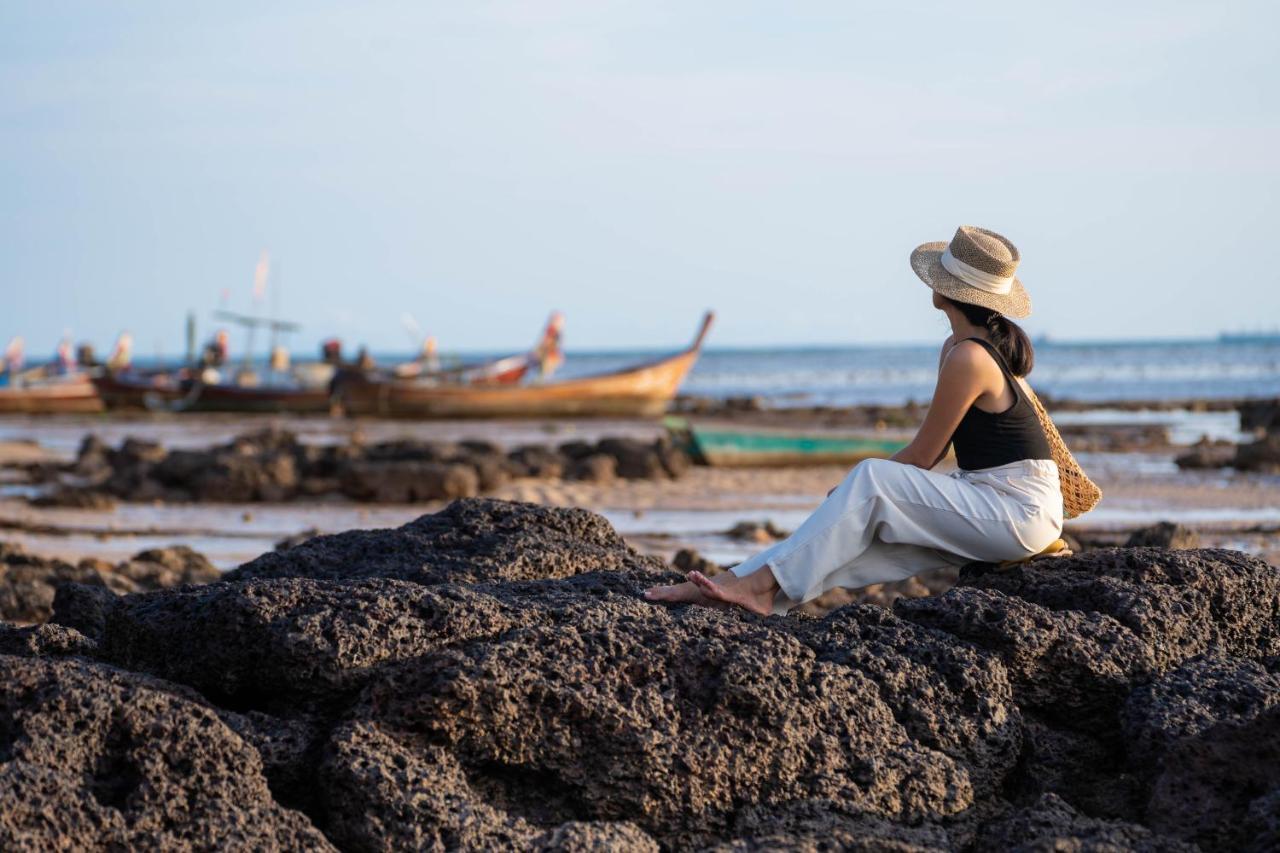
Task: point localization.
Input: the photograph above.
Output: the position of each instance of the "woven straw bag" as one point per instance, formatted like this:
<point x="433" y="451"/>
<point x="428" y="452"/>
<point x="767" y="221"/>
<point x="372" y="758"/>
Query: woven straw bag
<point x="1079" y="493"/>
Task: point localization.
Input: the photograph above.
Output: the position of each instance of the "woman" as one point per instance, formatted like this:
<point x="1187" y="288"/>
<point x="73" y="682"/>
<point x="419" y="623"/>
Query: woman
<point x="893" y="518"/>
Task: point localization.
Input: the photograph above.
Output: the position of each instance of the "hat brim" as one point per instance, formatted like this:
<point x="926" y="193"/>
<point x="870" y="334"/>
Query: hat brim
<point x="926" y="262"/>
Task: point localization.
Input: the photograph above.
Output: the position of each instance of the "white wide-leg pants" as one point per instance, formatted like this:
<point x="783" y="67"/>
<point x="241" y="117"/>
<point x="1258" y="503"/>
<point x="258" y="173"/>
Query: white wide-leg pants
<point x="888" y="521"/>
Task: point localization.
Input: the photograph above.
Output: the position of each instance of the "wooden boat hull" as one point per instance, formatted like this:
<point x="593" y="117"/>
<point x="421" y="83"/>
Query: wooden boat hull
<point x="734" y="447"/>
<point x="165" y="392"/>
<point x="63" y="396"/>
<point x="509" y="370"/>
<point x="235" y="398"/>
<point x="642" y="391"/>
<point x="138" y="391"/>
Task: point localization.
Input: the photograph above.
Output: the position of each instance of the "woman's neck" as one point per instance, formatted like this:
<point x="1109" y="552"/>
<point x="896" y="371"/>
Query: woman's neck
<point x="962" y="328"/>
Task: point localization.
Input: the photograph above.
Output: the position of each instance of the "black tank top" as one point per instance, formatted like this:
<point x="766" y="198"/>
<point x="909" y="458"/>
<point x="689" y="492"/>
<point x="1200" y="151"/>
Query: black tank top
<point x="986" y="439"/>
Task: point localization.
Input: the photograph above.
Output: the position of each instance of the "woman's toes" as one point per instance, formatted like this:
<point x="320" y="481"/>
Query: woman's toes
<point x="677" y="593"/>
<point x="659" y="593"/>
<point x="705" y="584"/>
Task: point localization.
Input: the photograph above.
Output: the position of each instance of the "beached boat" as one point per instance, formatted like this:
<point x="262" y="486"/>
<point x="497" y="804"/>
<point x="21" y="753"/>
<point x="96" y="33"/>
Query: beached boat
<point x="177" y="392"/>
<point x="727" y="446"/>
<point x="170" y="392"/>
<point x="70" y="394"/>
<point x="502" y="371"/>
<point x="139" y="390"/>
<point x="644" y="390"/>
<point x="278" y="399"/>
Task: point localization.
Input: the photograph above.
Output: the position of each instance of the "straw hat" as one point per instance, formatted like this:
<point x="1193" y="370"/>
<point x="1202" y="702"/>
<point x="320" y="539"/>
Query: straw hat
<point x="977" y="267"/>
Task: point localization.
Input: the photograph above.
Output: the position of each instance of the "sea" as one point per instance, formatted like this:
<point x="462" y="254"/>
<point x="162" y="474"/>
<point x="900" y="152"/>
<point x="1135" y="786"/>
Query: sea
<point x="891" y="375"/>
<point x="796" y="376"/>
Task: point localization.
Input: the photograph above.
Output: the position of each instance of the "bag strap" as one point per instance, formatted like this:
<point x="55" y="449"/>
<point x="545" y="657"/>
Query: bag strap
<point x="1079" y="493"/>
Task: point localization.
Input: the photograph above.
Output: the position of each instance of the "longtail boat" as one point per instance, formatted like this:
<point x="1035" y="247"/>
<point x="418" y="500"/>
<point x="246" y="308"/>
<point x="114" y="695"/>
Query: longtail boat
<point x="139" y="390"/>
<point x="502" y="371"/>
<point x="644" y="390"/>
<point x="173" y="392"/>
<point x="230" y="397"/>
<point x="46" y="395"/>
<point x="729" y="446"/>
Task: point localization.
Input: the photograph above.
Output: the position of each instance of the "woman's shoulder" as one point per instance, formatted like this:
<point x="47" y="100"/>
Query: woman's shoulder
<point x="966" y="351"/>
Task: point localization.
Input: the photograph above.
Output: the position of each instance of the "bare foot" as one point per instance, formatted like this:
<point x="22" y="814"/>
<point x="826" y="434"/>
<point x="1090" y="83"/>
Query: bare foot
<point x="681" y="593"/>
<point x="753" y="593"/>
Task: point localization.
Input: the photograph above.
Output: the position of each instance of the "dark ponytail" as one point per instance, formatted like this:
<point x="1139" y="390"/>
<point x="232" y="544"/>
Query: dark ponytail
<point x="1005" y="335"/>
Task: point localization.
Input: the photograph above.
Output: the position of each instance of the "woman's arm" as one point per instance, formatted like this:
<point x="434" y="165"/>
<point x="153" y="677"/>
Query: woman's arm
<point x="960" y="381"/>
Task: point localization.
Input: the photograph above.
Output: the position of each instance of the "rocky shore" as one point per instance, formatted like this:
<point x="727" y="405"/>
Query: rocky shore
<point x="272" y="465"/>
<point x="28" y="582"/>
<point x="489" y="677"/>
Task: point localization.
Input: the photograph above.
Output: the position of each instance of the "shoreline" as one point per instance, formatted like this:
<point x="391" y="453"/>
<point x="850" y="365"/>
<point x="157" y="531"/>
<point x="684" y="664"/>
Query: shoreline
<point x="1133" y="462"/>
<point x="660" y="515"/>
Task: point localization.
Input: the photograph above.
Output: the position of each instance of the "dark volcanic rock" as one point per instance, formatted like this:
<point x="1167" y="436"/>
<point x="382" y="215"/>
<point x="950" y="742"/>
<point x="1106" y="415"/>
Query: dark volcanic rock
<point x="288" y="747"/>
<point x="382" y="794"/>
<point x="675" y="461"/>
<point x="689" y="560"/>
<point x="1190" y="699"/>
<point x="1085" y="767"/>
<point x="91" y="758"/>
<point x="64" y="496"/>
<point x="537" y="460"/>
<point x="807" y="826"/>
<point x="158" y="568"/>
<point x="84" y="608"/>
<point x="408" y="482"/>
<point x="514" y="713"/>
<point x="584" y="721"/>
<point x="297" y="539"/>
<point x="271" y="645"/>
<point x="1262" y="455"/>
<point x="93" y="458"/>
<point x="490" y="677"/>
<point x="242" y="478"/>
<point x="593" y="468"/>
<point x="1172" y="604"/>
<point x="468" y="542"/>
<point x="1166" y="534"/>
<point x="1052" y="825"/>
<point x="44" y="641"/>
<point x="760" y="532"/>
<point x="1063" y="662"/>
<point x="1208" y="454"/>
<point x="1260" y="414"/>
<point x="636" y="459"/>
<point x="945" y="694"/>
<point x="28" y="583"/>
<point x="1222" y="786"/>
<point x="272" y="465"/>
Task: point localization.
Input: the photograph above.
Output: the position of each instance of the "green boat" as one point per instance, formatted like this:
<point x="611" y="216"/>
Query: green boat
<point x="725" y="446"/>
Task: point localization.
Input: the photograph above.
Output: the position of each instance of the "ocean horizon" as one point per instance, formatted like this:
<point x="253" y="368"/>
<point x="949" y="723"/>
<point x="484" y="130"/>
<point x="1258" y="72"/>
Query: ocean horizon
<point x="880" y="374"/>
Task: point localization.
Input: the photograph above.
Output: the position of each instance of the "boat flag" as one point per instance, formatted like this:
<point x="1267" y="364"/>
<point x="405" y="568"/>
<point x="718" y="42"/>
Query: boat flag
<point x="13" y="355"/>
<point x="260" y="273"/>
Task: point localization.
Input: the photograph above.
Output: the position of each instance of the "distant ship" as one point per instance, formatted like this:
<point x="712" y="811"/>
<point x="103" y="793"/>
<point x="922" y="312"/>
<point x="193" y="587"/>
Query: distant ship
<point x="1259" y="337"/>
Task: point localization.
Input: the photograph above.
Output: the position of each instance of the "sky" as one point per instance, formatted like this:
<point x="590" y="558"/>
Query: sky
<point x="476" y="165"/>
